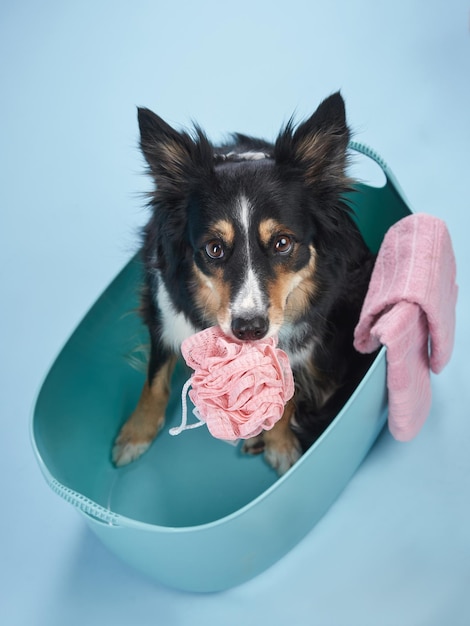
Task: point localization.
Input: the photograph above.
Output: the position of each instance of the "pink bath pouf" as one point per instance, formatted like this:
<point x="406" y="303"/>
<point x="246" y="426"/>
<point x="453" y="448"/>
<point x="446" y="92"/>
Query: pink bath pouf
<point x="238" y="388"/>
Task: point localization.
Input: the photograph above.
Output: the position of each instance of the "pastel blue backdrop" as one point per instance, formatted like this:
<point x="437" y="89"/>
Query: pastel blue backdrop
<point x="395" y="548"/>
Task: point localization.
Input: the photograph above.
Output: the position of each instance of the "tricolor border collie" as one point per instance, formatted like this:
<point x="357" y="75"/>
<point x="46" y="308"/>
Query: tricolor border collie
<point x="257" y="238"/>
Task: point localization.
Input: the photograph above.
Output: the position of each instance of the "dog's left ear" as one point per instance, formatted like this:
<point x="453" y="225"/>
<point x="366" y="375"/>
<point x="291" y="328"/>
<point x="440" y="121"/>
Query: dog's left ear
<point x="318" y="146"/>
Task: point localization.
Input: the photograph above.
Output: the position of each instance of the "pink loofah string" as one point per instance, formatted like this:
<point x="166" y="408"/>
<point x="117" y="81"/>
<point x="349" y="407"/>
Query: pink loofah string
<point x="238" y="388"/>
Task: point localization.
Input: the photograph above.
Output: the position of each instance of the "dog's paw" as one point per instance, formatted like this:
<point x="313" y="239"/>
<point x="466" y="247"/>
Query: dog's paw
<point x="131" y="443"/>
<point x="135" y="437"/>
<point x="124" y="452"/>
<point x="282" y="454"/>
<point x="254" y="445"/>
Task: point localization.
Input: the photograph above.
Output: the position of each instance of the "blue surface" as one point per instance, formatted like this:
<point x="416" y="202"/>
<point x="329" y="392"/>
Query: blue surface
<point x="395" y="548"/>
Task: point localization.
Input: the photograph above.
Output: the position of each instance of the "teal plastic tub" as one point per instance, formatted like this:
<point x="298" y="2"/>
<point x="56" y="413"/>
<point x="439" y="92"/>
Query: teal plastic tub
<point x="193" y="512"/>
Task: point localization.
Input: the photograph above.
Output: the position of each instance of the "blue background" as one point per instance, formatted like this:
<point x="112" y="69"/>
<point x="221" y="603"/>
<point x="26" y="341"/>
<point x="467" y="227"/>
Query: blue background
<point x="395" y="548"/>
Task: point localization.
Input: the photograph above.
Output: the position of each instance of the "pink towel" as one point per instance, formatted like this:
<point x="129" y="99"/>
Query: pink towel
<point x="410" y="308"/>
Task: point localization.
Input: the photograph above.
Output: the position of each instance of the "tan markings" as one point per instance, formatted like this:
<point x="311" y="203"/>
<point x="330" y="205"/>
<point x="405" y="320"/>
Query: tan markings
<point x="268" y="228"/>
<point x="147" y="419"/>
<point x="212" y="296"/>
<point x="323" y="158"/>
<point x="314" y="148"/>
<point x="290" y="293"/>
<point x="175" y="156"/>
<point x="314" y="384"/>
<point x="282" y="448"/>
<point x="225" y="230"/>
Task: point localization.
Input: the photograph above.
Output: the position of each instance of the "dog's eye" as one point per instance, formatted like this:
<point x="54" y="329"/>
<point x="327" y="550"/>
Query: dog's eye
<point x="283" y="244"/>
<point x="215" y="249"/>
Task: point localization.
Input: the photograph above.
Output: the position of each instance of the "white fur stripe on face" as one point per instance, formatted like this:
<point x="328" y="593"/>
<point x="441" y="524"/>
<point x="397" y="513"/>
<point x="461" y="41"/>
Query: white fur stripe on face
<point x="249" y="301"/>
<point x="244" y="216"/>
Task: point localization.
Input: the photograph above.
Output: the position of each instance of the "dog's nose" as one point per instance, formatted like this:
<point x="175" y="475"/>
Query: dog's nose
<point x="250" y="329"/>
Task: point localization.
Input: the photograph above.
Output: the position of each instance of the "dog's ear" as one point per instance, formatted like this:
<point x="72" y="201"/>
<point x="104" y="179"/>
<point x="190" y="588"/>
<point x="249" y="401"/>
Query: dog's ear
<point x="175" y="158"/>
<point x="318" y="146"/>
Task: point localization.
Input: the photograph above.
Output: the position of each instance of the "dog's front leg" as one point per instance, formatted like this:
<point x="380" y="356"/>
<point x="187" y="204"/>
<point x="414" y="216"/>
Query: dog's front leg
<point x="148" y="417"/>
<point x="281" y="446"/>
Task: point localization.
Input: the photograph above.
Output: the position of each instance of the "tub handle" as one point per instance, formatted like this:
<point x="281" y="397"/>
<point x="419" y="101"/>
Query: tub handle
<point x="367" y="151"/>
<point x="86" y="506"/>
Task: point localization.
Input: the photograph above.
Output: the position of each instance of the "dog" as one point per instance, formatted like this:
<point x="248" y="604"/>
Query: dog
<point x="256" y="238"/>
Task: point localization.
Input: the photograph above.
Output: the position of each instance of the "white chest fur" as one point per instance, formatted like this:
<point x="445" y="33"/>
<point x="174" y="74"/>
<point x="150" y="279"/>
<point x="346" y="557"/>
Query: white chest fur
<point x="175" y="327"/>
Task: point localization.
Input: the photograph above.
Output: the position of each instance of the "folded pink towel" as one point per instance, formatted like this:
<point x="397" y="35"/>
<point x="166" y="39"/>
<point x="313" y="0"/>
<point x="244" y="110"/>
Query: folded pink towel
<point x="410" y="308"/>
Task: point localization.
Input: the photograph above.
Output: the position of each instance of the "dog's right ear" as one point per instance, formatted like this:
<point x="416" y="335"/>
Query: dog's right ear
<point x="175" y="159"/>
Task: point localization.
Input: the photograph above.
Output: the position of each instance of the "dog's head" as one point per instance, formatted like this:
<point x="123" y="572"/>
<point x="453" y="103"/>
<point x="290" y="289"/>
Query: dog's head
<point x="250" y="234"/>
